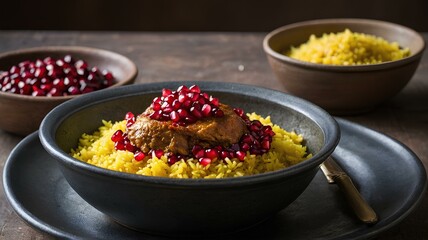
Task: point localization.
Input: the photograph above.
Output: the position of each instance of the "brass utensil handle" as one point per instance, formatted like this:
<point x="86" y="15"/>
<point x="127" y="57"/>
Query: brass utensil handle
<point x="361" y="208"/>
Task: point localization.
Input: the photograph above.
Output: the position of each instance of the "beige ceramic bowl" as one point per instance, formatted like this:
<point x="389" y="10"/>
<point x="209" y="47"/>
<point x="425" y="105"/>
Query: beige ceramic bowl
<point x="343" y="89"/>
<point x="22" y="114"/>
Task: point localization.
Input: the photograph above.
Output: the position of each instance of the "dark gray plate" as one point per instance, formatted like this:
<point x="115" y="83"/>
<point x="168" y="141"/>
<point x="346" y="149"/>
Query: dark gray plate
<point x="388" y="174"/>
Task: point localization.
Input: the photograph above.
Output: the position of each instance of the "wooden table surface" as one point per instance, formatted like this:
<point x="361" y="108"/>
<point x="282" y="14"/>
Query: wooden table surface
<point x="229" y="57"/>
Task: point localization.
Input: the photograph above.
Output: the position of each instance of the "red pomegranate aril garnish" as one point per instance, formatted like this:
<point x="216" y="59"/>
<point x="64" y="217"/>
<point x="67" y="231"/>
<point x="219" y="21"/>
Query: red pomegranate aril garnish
<point x="182" y="98"/>
<point x="129" y="116"/>
<point x="175" y="117"/>
<point x="195" y="149"/>
<point x="206" y="110"/>
<point x="204" y="161"/>
<point x="157" y="153"/>
<point x="186" y="104"/>
<point x="200" y="153"/>
<point x="211" y="153"/>
<point x="265" y="144"/>
<point x="80" y="64"/>
<point x="172" y="159"/>
<point x="119" y="145"/>
<point x="182" y="113"/>
<point x="224" y="154"/>
<point x="182" y="88"/>
<point x="194" y="89"/>
<point x="245" y="147"/>
<point x="156" y="115"/>
<point x="37" y="92"/>
<point x="156" y="106"/>
<point x="54" y="92"/>
<point x="108" y="75"/>
<point x="176" y="104"/>
<point x="25" y="90"/>
<point x="239" y="111"/>
<point x="166" y="92"/>
<point x="240" y="155"/>
<point x="195" y="112"/>
<point x="117" y="136"/>
<point x="214" y="101"/>
<point x="219" y="113"/>
<point x="129" y="147"/>
<point x="13" y="70"/>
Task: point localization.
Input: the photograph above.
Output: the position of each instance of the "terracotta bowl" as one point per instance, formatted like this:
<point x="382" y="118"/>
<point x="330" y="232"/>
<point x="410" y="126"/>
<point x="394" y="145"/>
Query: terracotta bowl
<point x="343" y="89"/>
<point x="182" y="207"/>
<point x="22" y="114"/>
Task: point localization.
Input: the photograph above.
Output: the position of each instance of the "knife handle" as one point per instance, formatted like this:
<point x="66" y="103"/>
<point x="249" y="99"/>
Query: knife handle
<point x="361" y="208"/>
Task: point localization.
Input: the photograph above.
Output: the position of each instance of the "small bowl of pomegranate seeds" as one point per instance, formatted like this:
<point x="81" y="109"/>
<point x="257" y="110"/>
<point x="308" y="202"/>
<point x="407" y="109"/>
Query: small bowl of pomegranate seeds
<point x="33" y="81"/>
<point x="186" y="158"/>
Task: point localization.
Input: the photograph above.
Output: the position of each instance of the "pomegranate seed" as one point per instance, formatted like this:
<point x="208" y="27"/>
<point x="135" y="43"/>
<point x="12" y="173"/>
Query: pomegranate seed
<point x="117" y="136"/>
<point x="239" y="111"/>
<point x="169" y="99"/>
<point x="245" y="147"/>
<point x="240" y="155"/>
<point x="182" y="113"/>
<point x="175" y="117"/>
<point x="157" y="153"/>
<point x="172" y="159"/>
<point x="214" y="101"/>
<point x="195" y="112"/>
<point x="195" y="149"/>
<point x="156" y="115"/>
<point x="183" y="89"/>
<point x="206" y="110"/>
<point x="80" y="64"/>
<point x="176" y="104"/>
<point x="166" y="92"/>
<point x="108" y="75"/>
<point x="211" y="153"/>
<point x="54" y="92"/>
<point x="200" y="153"/>
<point x="204" y="161"/>
<point x="182" y="98"/>
<point x="219" y="113"/>
<point x="119" y="145"/>
<point x="156" y="106"/>
<point x="129" y="116"/>
<point x="194" y="89"/>
<point x="129" y="147"/>
<point x="265" y="145"/>
<point x="224" y="154"/>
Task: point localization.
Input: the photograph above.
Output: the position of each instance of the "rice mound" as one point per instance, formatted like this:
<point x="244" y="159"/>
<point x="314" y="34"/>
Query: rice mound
<point x="98" y="149"/>
<point x="348" y="48"/>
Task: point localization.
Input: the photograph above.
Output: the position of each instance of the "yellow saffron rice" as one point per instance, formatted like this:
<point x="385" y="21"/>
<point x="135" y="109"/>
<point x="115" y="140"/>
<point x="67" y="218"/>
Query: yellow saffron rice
<point x="348" y="48"/>
<point x="98" y="149"/>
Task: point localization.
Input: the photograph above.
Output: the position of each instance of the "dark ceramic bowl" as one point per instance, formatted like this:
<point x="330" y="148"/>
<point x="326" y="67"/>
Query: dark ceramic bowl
<point x="187" y="206"/>
<point x="22" y="114"/>
<point x="343" y="89"/>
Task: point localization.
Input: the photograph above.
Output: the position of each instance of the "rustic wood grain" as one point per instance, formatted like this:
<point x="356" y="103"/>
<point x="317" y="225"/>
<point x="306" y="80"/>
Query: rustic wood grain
<point x="230" y="57"/>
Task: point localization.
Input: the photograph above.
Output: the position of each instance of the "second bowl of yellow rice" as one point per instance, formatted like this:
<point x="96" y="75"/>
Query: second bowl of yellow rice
<point x="186" y="198"/>
<point x="346" y="66"/>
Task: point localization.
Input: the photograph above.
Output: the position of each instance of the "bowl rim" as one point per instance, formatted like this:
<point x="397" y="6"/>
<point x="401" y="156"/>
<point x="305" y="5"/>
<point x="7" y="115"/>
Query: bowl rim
<point x="341" y="68"/>
<point x="72" y="49"/>
<point x="53" y="119"/>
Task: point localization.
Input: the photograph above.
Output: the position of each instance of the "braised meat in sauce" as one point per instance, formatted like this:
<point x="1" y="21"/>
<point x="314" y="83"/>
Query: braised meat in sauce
<point x="147" y="133"/>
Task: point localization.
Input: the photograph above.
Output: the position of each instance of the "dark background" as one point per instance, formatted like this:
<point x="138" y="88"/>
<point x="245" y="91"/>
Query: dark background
<point x="202" y="15"/>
